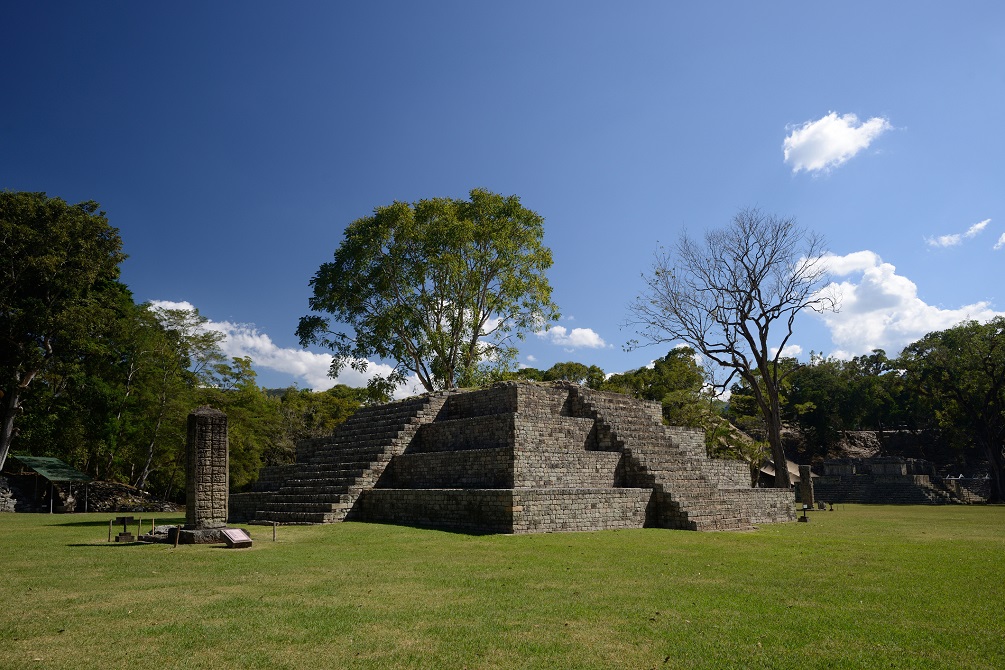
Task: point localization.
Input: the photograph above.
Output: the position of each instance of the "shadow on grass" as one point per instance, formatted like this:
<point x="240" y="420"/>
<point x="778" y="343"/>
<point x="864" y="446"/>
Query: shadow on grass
<point x="452" y="530"/>
<point x="102" y="543"/>
<point x="161" y="521"/>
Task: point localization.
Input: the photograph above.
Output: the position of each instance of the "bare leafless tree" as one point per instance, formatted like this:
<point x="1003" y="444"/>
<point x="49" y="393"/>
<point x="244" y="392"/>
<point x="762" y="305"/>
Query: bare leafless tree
<point x="734" y="299"/>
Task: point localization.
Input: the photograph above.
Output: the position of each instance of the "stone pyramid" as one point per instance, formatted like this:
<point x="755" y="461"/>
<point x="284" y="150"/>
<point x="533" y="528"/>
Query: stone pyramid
<point x="518" y="457"/>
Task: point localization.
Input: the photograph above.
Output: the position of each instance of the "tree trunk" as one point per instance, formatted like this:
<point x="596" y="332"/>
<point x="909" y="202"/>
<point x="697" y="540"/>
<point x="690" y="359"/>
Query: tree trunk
<point x="782" y="480"/>
<point x="773" y="415"/>
<point x="10" y="408"/>
<point x="996" y="461"/>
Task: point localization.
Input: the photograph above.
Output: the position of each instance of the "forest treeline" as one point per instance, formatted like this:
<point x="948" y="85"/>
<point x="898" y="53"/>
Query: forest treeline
<point x="92" y="377"/>
<point x="117" y="409"/>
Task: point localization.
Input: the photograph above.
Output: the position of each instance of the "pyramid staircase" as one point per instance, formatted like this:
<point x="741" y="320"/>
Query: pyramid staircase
<point x="692" y="491"/>
<point x="330" y="473"/>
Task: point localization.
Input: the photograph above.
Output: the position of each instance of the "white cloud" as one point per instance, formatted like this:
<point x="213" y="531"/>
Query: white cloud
<point x="312" y="368"/>
<point x="956" y="238"/>
<point x="944" y="240"/>
<point x="575" y="338"/>
<point x="1000" y="243"/>
<point x="184" y="305"/>
<point x="973" y="230"/>
<point x="531" y="358"/>
<point x="790" y="351"/>
<point x="831" y="141"/>
<point x="881" y="309"/>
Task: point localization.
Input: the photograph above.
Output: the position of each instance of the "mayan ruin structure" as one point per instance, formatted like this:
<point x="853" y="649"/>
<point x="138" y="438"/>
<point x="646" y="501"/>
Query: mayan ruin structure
<point x="515" y="458"/>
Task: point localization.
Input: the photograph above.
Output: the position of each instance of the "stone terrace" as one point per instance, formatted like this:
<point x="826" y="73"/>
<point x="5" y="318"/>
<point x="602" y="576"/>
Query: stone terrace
<point x="515" y="458"/>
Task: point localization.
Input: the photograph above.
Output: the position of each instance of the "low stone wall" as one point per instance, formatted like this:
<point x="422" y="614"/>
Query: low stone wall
<point x="765" y="505"/>
<point x="506" y="510"/>
<point x="496" y="400"/>
<point x="562" y="468"/>
<point x="475" y="468"/>
<point x="481" y="432"/>
<point x="547" y="510"/>
<point x="469" y="510"/>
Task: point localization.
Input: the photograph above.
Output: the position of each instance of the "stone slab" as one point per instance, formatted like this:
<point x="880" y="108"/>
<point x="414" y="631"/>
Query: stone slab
<point x="236" y="538"/>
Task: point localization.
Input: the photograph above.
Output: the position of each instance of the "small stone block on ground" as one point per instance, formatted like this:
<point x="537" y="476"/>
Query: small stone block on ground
<point x="236" y="538"/>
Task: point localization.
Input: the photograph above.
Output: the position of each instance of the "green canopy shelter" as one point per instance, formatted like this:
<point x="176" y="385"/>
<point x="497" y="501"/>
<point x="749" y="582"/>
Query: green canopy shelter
<point x="54" y="470"/>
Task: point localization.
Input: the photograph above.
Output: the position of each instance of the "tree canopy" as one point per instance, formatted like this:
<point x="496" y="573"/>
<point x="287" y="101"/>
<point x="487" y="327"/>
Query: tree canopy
<point x="962" y="372"/>
<point x="734" y="299"/>
<point x="438" y="286"/>
<point x="676" y="381"/>
<point x="56" y="260"/>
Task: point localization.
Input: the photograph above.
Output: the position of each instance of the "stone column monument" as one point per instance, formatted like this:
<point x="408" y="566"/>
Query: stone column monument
<point x="805" y="485"/>
<point x="207" y="468"/>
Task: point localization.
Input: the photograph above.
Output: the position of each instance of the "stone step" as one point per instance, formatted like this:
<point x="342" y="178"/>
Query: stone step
<point x="326" y="507"/>
<point x="294" y="518"/>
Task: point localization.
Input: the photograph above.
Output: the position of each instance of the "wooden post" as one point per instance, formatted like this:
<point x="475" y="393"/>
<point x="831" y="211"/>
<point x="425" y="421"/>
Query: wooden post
<point x="109" y="530"/>
<point x="177" y="534"/>
<point x="274" y="525"/>
<point x="139" y="527"/>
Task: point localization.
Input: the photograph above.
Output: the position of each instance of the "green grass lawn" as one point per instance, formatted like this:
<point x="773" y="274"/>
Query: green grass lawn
<point x="864" y="586"/>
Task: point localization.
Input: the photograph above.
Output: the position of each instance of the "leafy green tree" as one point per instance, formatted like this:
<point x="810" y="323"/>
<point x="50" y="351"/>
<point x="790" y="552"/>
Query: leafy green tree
<point x="530" y="374"/>
<point x="676" y="381"/>
<point x="254" y="419"/>
<point x="55" y="259"/>
<point x="962" y="371"/>
<point x="311" y="414"/>
<point x="577" y="373"/>
<point x="436" y="286"/>
<point x="734" y="299"/>
<point x="817" y="400"/>
<point x="878" y="396"/>
<point x="181" y="357"/>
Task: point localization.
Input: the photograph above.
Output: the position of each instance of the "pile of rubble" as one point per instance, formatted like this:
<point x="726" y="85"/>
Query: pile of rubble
<point x="113" y="497"/>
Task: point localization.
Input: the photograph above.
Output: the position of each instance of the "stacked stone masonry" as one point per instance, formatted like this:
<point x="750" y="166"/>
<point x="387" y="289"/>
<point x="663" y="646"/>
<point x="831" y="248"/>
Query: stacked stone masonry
<point x="515" y="458"/>
<point x="894" y="481"/>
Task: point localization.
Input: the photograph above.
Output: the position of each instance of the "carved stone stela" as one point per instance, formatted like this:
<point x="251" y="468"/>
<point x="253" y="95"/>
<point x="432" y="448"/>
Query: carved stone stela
<point x="207" y="483"/>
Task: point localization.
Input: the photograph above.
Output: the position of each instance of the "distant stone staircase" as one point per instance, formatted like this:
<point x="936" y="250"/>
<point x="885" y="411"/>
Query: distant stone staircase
<point x="515" y="458"/>
<point x="889" y="480"/>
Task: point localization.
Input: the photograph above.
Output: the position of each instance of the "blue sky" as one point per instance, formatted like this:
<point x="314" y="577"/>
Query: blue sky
<point x="232" y="142"/>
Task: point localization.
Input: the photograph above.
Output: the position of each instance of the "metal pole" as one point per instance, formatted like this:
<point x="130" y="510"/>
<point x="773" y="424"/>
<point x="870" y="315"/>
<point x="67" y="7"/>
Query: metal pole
<point x="51" y="489"/>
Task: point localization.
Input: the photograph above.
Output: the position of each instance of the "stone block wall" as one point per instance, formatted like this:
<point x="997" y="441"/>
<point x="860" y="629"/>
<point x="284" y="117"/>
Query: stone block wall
<point x="581" y="509"/>
<point x="470" y="510"/>
<point x="472" y="469"/>
<point x="496" y="400"/>
<point x="495" y="431"/>
<point x="550" y="468"/>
